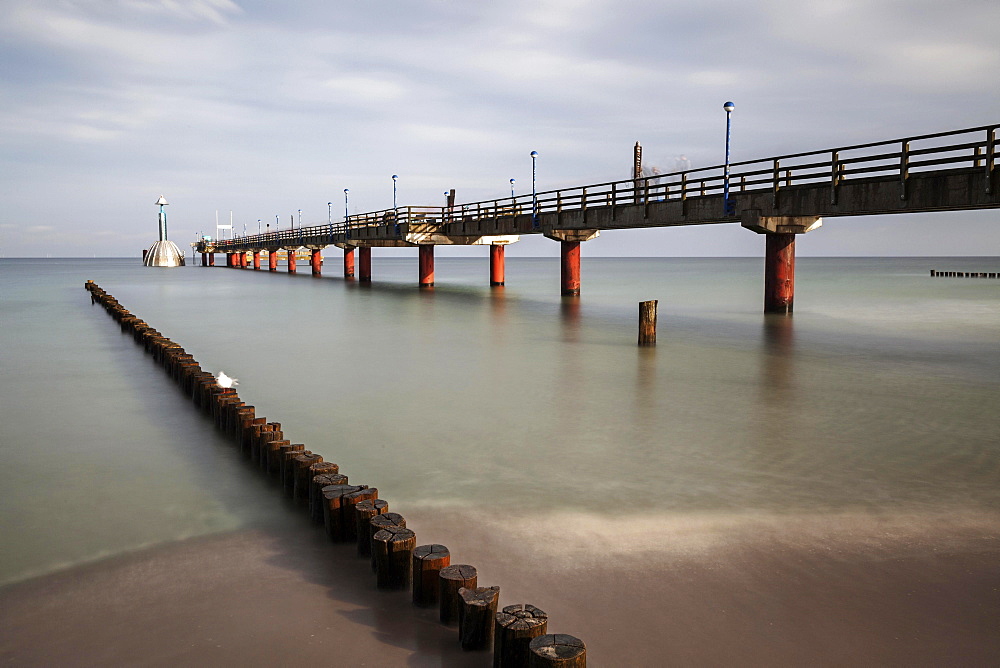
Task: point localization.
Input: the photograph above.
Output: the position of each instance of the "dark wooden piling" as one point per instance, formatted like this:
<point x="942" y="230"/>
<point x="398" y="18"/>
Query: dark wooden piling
<point x="350" y="518"/>
<point x="393" y="548"/>
<point x="557" y="650"/>
<point x="476" y="617"/>
<point x="333" y="519"/>
<point x="316" y="496"/>
<point x="516" y="626"/>
<point x="300" y="472"/>
<point x="301" y="486"/>
<point x="428" y="560"/>
<point x="647" y="323"/>
<point x="364" y="511"/>
<point x="287" y="452"/>
<point x="380" y="522"/>
<point x="450" y="580"/>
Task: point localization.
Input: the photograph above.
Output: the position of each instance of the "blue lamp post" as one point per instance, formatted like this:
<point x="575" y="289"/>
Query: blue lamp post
<point x="394" y="178"/>
<point x="534" y="193"/>
<point x="300" y="219"/>
<point x="277" y="225"/>
<point x="347" y="215"/>
<point x="329" y="213"/>
<point x="258" y="226"/>
<point x="726" y="204"/>
<point x="512" y="188"/>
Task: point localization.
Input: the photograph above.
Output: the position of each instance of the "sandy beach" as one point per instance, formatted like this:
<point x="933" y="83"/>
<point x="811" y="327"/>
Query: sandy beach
<point x="289" y="597"/>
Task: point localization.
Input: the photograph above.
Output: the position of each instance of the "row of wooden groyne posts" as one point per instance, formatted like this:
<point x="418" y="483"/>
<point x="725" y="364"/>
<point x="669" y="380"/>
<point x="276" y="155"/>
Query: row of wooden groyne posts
<point x="965" y="274"/>
<point x="517" y="633"/>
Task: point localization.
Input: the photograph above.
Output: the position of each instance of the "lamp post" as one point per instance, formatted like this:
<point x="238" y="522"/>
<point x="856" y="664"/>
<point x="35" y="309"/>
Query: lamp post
<point x="329" y="213"/>
<point x="727" y="207"/>
<point x="394" y="179"/>
<point x="512" y="188"/>
<point x="300" y="219"/>
<point x="534" y="193"/>
<point x="258" y="226"/>
<point x="347" y="215"/>
<point x="277" y="224"/>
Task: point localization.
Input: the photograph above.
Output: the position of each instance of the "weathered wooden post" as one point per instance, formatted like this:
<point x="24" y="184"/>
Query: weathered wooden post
<point x="379" y="522"/>
<point x="301" y="485"/>
<point x="333" y="518"/>
<point x="476" y="616"/>
<point x="316" y="493"/>
<point x="428" y="560"/>
<point x="364" y="511"/>
<point x="557" y="650"/>
<point x="647" y="322"/>
<point x="392" y="548"/>
<point x="515" y="627"/>
<point x="450" y="580"/>
<point x="350" y="518"/>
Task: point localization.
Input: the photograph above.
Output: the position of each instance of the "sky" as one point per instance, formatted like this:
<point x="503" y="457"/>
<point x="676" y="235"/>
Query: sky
<point x="265" y="108"/>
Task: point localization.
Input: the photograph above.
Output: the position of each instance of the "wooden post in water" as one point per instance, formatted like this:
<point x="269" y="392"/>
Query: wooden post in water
<point x="316" y="493"/>
<point x="364" y="512"/>
<point x="647" y="322"/>
<point x="476" y="617"/>
<point x="451" y="579"/>
<point x="557" y="649"/>
<point x="350" y="517"/>
<point x="516" y="626"/>
<point x="392" y="548"/>
<point x="380" y="522"/>
<point x="428" y="560"/>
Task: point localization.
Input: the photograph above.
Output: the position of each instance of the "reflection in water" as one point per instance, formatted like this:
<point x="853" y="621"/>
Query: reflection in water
<point x="569" y="314"/>
<point x="779" y="360"/>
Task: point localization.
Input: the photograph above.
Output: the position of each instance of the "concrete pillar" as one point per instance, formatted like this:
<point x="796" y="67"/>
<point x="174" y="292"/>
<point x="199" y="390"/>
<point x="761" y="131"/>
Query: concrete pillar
<point x="291" y="262"/>
<point x="272" y="260"/>
<point x="496" y="264"/>
<point x="349" y="262"/>
<point x="243" y="259"/>
<point x="316" y="262"/>
<point x="365" y="264"/>
<point x="426" y="266"/>
<point x="779" y="273"/>
<point x="211" y="259"/>
<point x="256" y="260"/>
<point x="570" y="269"/>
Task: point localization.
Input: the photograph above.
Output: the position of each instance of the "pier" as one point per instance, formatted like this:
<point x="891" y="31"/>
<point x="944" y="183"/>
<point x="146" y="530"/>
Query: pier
<point x="779" y="197"/>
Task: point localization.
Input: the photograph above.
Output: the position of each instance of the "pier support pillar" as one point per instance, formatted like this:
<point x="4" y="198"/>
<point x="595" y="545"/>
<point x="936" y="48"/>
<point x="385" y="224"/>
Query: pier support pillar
<point x="569" y="273"/>
<point x="230" y="260"/>
<point x="316" y="261"/>
<point x="211" y="259"/>
<point x="204" y="259"/>
<point x="272" y="260"/>
<point x="569" y="241"/>
<point x="243" y="259"/>
<point x="349" y="262"/>
<point x="779" y="273"/>
<point x="256" y="260"/>
<point x="365" y="264"/>
<point x="496" y="265"/>
<point x="291" y="262"/>
<point x="779" y="255"/>
<point x="426" y="266"/>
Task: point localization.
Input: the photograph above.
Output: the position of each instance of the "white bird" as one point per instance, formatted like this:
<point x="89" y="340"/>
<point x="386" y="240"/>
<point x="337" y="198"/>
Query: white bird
<point x="225" y="381"/>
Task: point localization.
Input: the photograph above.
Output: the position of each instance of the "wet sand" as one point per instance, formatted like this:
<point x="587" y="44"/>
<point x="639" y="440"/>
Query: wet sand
<point x="640" y="592"/>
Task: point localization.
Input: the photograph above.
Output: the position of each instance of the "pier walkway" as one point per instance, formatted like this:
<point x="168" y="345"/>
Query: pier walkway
<point x="779" y="197"/>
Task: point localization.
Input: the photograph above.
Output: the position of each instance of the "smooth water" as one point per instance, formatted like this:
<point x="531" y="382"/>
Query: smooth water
<point x="878" y="398"/>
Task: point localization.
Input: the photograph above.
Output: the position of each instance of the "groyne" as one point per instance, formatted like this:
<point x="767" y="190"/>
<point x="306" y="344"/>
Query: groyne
<point x="355" y="514"/>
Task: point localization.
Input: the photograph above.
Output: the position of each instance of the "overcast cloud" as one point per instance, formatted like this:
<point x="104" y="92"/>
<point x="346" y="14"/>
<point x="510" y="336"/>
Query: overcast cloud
<point x="264" y="108"/>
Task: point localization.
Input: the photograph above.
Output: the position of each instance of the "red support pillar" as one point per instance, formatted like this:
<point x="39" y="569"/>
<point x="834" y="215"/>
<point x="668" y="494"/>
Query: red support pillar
<point x="779" y="273"/>
<point x="570" y="273"/>
<point x="316" y="262"/>
<point x="211" y="259"/>
<point x="496" y="264"/>
<point x="256" y="260"/>
<point x="272" y="260"/>
<point x="204" y="259"/>
<point x="243" y="259"/>
<point x="291" y="262"/>
<point x="365" y="262"/>
<point x="230" y="259"/>
<point x="349" y="262"/>
<point x="426" y="266"/>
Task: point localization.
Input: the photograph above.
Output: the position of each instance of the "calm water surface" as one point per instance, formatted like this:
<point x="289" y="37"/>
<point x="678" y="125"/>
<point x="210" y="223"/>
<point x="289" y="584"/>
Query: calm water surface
<point x="878" y="398"/>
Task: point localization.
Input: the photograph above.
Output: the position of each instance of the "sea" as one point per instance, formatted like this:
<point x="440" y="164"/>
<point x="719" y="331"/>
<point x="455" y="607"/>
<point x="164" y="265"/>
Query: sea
<point x="877" y="400"/>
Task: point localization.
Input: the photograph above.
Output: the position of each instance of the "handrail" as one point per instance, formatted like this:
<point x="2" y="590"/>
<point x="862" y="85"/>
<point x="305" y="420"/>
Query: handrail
<point x="775" y="174"/>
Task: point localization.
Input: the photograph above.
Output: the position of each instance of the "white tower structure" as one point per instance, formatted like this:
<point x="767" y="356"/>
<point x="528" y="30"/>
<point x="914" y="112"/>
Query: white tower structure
<point x="163" y="253"/>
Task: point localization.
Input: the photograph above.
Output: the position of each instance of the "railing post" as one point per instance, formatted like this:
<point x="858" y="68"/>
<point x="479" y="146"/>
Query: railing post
<point x="614" y="199"/>
<point x="645" y="198"/>
<point x="904" y="168"/>
<point x="583" y="205"/>
<point x="834" y="175"/>
<point x="991" y="153"/>
<point x="684" y="193"/>
<point x="559" y="206"/>
<point x="775" y="183"/>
